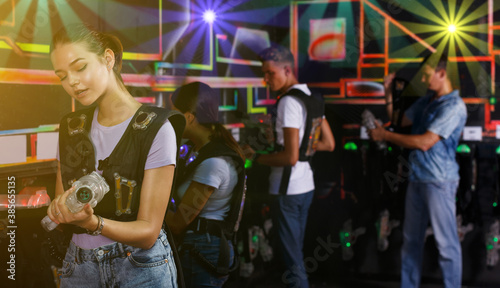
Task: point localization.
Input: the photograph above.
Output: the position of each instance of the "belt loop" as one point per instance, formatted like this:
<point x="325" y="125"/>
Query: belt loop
<point x="120" y="250"/>
<point x="78" y="257"/>
<point x="163" y="238"/>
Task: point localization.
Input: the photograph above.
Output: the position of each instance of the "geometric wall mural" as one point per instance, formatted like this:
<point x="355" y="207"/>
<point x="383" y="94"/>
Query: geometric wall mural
<point x="349" y="44"/>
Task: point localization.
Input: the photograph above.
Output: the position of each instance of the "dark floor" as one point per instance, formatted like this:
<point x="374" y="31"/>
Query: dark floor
<point x="369" y="267"/>
<point x="272" y="281"/>
<point x="354" y="283"/>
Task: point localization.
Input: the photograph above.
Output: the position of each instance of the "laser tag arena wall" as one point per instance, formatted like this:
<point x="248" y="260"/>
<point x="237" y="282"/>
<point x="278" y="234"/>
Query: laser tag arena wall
<point x="342" y="49"/>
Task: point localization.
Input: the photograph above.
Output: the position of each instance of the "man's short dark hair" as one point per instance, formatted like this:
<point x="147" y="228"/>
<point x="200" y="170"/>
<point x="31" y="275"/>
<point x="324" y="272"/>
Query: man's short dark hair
<point x="437" y="60"/>
<point x="278" y="54"/>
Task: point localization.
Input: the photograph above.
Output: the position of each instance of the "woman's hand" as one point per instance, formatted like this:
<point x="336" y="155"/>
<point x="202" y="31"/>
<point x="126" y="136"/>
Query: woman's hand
<point x="59" y="212"/>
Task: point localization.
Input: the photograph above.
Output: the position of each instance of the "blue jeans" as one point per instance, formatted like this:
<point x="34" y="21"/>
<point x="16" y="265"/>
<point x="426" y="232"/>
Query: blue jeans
<point x="196" y="274"/>
<point x="290" y="217"/>
<point x="120" y="265"/>
<point x="434" y="202"/>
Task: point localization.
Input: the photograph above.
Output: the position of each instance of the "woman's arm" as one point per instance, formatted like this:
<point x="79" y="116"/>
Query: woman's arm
<point x="194" y="200"/>
<point x="155" y="193"/>
<point x="59" y="185"/>
<point x="143" y="232"/>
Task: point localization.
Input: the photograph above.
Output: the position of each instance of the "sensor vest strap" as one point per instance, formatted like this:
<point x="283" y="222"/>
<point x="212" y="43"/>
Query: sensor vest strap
<point x="315" y="108"/>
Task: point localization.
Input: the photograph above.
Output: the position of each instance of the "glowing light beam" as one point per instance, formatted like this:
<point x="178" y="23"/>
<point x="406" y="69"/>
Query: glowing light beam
<point x="209" y="16"/>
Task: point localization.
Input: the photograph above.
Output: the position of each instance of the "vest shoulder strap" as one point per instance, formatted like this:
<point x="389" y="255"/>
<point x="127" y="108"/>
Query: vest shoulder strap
<point x="315" y="109"/>
<point x="145" y="124"/>
<point x="77" y="122"/>
<point x="178" y="121"/>
<point x="314" y="103"/>
<point x="76" y="151"/>
<point x="217" y="149"/>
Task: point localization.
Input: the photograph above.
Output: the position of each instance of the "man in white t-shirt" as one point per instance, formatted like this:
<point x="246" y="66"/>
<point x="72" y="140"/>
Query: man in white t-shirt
<point x="291" y="208"/>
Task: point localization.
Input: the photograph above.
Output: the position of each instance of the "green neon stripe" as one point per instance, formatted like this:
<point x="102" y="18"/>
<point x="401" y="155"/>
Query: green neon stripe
<point x="250" y="108"/>
<point x="233" y="61"/>
<point x="231" y="107"/>
<point x="44" y="128"/>
<point x="37" y="48"/>
<point x="193" y="66"/>
<point x="4" y="45"/>
<point x="238" y="61"/>
<point x="164" y="89"/>
<point x="183" y="66"/>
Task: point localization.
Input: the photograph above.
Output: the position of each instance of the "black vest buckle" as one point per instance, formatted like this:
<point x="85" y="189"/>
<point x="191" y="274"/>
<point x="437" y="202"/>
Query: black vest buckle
<point x="143" y="120"/>
<point x="76" y="125"/>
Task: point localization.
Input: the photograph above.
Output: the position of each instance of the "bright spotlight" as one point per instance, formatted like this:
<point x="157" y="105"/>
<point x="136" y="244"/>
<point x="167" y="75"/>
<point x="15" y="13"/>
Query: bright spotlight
<point x="452" y="28"/>
<point x="209" y="16"/>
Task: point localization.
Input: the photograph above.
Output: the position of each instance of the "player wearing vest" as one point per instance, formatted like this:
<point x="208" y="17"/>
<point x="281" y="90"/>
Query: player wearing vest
<point x="296" y="120"/>
<point x="209" y="190"/>
<point x="133" y="147"/>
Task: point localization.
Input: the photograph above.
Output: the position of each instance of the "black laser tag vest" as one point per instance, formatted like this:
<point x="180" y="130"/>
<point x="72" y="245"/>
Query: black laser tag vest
<point x="315" y="109"/>
<point x="218" y="149"/>
<point x="227" y="228"/>
<point x="124" y="168"/>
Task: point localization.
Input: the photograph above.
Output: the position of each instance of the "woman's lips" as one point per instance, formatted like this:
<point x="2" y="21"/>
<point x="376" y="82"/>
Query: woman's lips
<point x="81" y="93"/>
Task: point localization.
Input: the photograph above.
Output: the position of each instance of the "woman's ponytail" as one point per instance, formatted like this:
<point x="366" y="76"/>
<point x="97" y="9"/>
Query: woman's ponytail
<point x="221" y="134"/>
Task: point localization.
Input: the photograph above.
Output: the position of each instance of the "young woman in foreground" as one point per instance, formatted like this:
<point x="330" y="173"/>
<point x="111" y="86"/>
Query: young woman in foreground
<point x="120" y="242"/>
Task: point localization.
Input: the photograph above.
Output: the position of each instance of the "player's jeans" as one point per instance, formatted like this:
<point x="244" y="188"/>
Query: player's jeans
<point x="290" y="216"/>
<point x="195" y="273"/>
<point x="120" y="265"/>
<point x="435" y="202"/>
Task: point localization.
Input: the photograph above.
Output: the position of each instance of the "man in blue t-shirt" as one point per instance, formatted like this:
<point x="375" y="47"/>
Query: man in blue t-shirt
<point x="437" y="122"/>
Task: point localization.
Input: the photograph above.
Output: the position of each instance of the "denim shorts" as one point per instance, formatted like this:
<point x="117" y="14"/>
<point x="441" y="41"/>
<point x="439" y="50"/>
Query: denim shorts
<point x="120" y="265"/>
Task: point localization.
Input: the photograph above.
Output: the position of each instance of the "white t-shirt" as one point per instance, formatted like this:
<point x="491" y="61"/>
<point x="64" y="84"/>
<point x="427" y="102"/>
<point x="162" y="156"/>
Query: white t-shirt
<point x="291" y="113"/>
<point x="217" y="172"/>
<point x="162" y="153"/>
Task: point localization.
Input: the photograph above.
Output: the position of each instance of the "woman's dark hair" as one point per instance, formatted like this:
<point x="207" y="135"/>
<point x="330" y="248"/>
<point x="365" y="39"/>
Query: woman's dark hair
<point x="201" y="100"/>
<point x="97" y="42"/>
